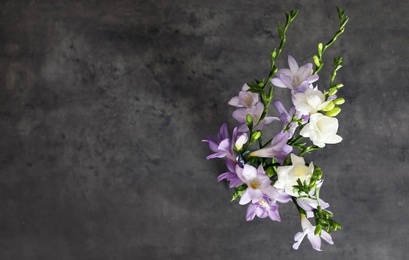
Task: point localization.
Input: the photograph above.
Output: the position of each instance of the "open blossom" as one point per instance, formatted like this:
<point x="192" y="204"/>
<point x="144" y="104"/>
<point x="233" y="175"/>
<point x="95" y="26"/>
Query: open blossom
<point x="310" y="102"/>
<point x="287" y="116"/>
<point x="310" y="203"/>
<point x="279" y="149"/>
<point x="288" y="175"/>
<point x="265" y="207"/>
<point x="308" y="230"/>
<point x="295" y="78"/>
<point x="258" y="184"/>
<point x="230" y="175"/>
<point x="244" y="99"/>
<point x="322" y="130"/>
<point x="255" y="112"/>
<point x="223" y="147"/>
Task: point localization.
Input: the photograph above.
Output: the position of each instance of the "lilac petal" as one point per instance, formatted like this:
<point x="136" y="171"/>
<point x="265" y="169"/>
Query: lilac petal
<point x="249" y="172"/>
<point x="271" y="192"/>
<point x="235" y="182"/>
<point x="292" y="64"/>
<point x="313" y="78"/>
<point x="223" y="176"/>
<point x="302" y="88"/>
<point x="216" y="155"/>
<point x="264" y="153"/>
<point x="283" y="198"/>
<point x="243" y="128"/>
<point x="245" y="198"/>
<point x="284" y="72"/>
<point x="213" y="144"/>
<point x="231" y="165"/>
<point x="224" y="146"/>
<point x="273" y="214"/>
<point x="223" y="133"/>
<point x="280" y="140"/>
<point x="235" y="101"/>
<point x="315" y="241"/>
<point x="261" y="212"/>
<point x="255" y="195"/>
<point x="304" y="204"/>
<point x="299" y="238"/>
<point x="251" y="212"/>
<point x="304" y="71"/>
<point x="327" y="237"/>
<point x="278" y="83"/>
<point x="240" y="115"/>
<point x="269" y="119"/>
<point x="287" y="81"/>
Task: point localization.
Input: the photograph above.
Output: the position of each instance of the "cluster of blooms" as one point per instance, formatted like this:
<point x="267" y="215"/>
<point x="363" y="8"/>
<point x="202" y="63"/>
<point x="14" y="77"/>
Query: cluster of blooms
<point x="265" y="174"/>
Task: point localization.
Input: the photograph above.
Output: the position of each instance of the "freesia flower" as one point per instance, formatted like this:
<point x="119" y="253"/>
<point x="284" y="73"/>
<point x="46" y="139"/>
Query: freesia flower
<point x="322" y="130"/>
<point x="230" y="175"/>
<point x="308" y="230"/>
<point x="288" y="175"/>
<point x="295" y="78"/>
<point x="310" y="102"/>
<point x="223" y="146"/>
<point x="279" y="149"/>
<point x="255" y="112"/>
<point x="244" y="99"/>
<point x="311" y="203"/>
<point x="265" y="207"/>
<point x="258" y="184"/>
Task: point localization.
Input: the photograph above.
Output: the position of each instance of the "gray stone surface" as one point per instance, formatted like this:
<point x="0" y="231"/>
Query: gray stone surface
<point x="103" y="106"/>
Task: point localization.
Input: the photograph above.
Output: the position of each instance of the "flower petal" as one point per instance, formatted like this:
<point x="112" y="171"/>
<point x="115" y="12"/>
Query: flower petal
<point x="292" y="64"/>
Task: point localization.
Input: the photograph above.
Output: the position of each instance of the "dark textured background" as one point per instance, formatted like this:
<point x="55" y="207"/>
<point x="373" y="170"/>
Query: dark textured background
<point x="103" y="106"/>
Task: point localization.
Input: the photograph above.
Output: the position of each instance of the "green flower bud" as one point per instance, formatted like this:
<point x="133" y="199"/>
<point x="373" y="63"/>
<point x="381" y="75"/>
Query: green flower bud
<point x="329" y="107"/>
<point x="254" y="136"/>
<point x="332" y="91"/>
<point x="339" y="101"/>
<point x="249" y="121"/>
<point x="335" y="111"/>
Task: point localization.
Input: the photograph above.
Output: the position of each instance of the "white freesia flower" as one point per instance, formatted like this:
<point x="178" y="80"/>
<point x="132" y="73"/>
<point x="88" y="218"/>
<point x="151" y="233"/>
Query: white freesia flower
<point x="288" y="175"/>
<point x="310" y="102"/>
<point x="322" y="130"/>
<point x="308" y="230"/>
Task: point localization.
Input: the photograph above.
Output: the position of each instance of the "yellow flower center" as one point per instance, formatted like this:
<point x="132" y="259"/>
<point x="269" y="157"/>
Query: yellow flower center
<point x="254" y="184"/>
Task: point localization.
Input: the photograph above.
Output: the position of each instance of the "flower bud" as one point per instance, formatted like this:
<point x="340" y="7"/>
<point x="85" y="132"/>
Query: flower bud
<point x="241" y="141"/>
<point x="335" y="111"/>
<point x="255" y="135"/>
<point x="329" y="107"/>
<point x="339" y="101"/>
<point x="332" y="91"/>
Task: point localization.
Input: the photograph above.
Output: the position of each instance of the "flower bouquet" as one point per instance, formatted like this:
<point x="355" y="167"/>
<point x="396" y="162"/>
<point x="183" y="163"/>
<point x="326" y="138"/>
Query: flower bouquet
<point x="264" y="174"/>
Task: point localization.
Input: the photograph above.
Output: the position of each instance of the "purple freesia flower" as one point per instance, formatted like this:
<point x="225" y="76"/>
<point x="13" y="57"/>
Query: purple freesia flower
<point x="245" y="98"/>
<point x="308" y="230"/>
<point x="223" y="147"/>
<point x="265" y="207"/>
<point x="287" y="116"/>
<point x="255" y="112"/>
<point x="279" y="149"/>
<point x="258" y="184"/>
<point x="230" y="175"/>
<point x="295" y="78"/>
